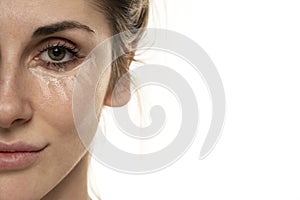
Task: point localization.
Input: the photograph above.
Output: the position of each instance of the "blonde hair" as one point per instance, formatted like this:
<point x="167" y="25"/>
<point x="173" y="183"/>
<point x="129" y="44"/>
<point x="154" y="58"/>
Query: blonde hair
<point x="130" y="16"/>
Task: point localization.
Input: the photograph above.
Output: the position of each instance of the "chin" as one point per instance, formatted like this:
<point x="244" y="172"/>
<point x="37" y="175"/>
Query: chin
<point x="23" y="185"/>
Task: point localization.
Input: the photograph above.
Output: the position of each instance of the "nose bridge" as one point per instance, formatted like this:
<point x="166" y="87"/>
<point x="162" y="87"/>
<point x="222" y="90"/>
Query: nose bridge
<point x="9" y="76"/>
<point x="10" y="62"/>
<point x="13" y="106"/>
<point x="15" y="103"/>
<point x="10" y="83"/>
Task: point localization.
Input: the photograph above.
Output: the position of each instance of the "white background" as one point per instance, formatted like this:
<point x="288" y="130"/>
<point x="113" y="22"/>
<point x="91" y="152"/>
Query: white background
<point x="255" y="46"/>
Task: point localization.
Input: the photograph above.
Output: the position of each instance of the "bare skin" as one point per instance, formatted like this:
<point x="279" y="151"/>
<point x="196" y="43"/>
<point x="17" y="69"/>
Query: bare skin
<point x="36" y="103"/>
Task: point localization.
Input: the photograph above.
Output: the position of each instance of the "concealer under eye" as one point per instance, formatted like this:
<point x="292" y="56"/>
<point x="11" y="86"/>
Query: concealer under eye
<point x="59" y="55"/>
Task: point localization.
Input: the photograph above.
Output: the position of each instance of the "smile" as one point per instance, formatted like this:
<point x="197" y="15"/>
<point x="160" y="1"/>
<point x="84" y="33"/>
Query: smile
<point x="18" y="155"/>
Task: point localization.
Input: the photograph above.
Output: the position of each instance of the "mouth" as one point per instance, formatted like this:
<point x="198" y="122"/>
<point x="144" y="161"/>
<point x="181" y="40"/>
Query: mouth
<point x="19" y="155"/>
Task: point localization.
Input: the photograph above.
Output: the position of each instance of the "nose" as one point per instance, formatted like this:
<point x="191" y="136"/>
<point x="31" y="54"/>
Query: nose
<point x="15" y="110"/>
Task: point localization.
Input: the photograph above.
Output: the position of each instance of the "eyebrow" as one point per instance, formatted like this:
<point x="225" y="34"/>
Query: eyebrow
<point x="58" y="27"/>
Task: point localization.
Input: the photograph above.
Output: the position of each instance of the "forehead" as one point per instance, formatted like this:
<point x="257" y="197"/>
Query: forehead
<point x="25" y="15"/>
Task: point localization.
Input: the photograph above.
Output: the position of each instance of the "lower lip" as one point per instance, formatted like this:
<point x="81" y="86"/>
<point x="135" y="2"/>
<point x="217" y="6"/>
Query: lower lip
<point x="17" y="160"/>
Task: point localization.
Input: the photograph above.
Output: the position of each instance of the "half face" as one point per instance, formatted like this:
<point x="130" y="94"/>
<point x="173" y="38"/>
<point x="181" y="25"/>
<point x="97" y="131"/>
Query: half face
<point x="42" y="46"/>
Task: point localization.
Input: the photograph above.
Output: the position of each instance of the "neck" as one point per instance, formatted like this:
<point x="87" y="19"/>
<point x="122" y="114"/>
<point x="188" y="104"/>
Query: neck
<point x="74" y="185"/>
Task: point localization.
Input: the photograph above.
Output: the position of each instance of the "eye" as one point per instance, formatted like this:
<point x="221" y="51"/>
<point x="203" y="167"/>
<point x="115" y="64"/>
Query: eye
<point x="59" y="56"/>
<point x="57" y="53"/>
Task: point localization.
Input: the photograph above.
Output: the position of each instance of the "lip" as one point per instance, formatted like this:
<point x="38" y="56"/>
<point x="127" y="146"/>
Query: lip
<point x="18" y="155"/>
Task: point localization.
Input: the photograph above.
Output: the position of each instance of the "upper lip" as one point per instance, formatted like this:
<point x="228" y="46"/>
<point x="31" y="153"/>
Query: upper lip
<point x="20" y="147"/>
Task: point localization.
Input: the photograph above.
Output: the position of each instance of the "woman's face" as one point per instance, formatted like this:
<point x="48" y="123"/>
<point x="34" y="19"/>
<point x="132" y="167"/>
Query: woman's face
<point x="42" y="44"/>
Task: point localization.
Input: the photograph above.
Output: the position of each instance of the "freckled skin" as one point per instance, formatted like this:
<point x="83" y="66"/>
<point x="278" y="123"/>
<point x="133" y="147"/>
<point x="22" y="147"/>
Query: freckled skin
<point x="54" y="84"/>
<point x="36" y="102"/>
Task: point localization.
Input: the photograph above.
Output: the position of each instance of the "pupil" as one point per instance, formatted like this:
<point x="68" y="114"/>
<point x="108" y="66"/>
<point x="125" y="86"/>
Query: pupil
<point x="57" y="53"/>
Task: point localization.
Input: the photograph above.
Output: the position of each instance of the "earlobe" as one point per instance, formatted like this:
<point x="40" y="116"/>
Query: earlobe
<point x="120" y="95"/>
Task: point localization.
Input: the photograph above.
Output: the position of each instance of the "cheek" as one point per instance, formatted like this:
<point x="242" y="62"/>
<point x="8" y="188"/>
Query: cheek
<point x="53" y="97"/>
<point x="54" y="87"/>
<point x="52" y="122"/>
<point x="56" y="98"/>
<point x="100" y="92"/>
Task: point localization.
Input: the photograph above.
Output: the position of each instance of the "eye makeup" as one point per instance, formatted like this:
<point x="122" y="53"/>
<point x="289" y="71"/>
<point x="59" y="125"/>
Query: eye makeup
<point x="55" y="65"/>
<point x="58" y="55"/>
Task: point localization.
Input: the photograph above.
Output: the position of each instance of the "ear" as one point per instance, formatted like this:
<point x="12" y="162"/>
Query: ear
<point x="120" y="94"/>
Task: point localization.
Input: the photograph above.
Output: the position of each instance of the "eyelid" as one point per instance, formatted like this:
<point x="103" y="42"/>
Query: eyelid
<point x="70" y="47"/>
<point x="53" y="42"/>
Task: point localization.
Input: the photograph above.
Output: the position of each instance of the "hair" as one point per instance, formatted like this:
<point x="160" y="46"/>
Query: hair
<point x="129" y="17"/>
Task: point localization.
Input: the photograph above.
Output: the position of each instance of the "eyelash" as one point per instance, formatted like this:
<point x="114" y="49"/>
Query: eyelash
<point x="68" y="48"/>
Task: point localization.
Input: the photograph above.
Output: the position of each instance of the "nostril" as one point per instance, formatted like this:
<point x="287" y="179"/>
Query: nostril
<point x="15" y="106"/>
<point x="14" y="113"/>
<point x="18" y="122"/>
